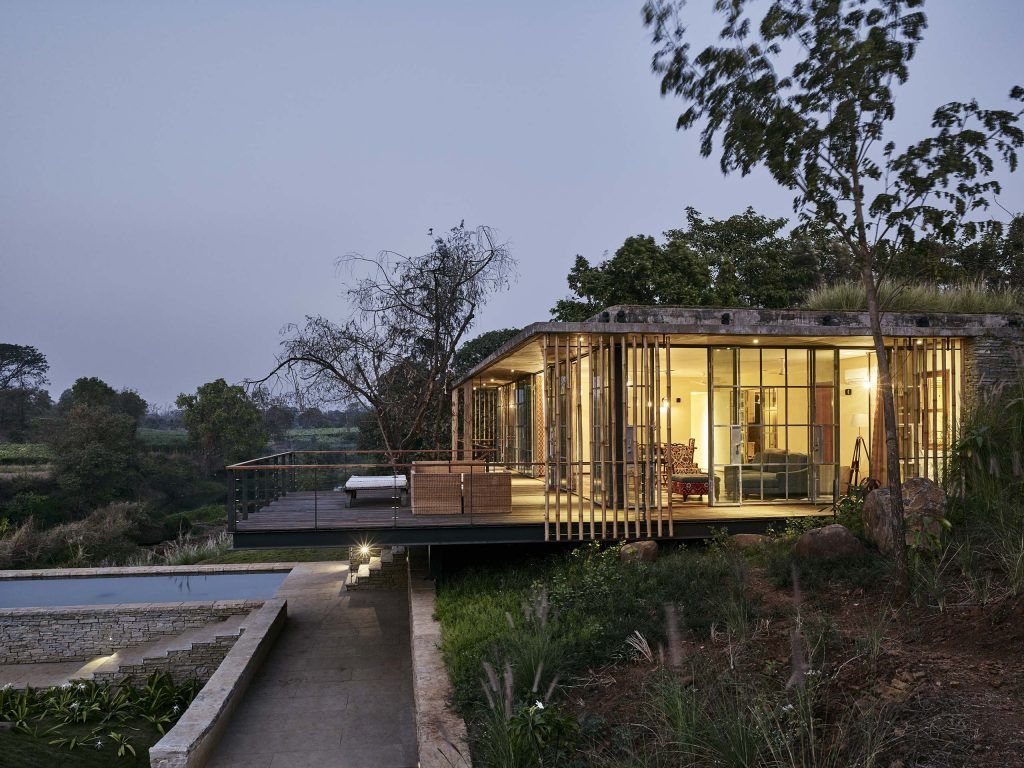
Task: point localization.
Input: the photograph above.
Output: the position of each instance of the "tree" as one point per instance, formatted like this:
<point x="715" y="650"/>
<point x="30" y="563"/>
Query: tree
<point x="478" y="348"/>
<point x="95" y="456"/>
<point x="22" y="367"/>
<point x="224" y="424"/>
<point x="93" y="392"/>
<point x="743" y="260"/>
<point x="819" y="130"/>
<point x="394" y="353"/>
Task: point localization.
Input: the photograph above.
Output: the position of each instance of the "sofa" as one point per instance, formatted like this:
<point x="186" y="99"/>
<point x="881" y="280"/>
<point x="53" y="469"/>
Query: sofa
<point x="768" y="470"/>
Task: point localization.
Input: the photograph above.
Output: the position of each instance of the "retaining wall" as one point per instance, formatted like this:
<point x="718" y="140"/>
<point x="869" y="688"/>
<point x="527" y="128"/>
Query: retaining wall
<point x="79" y="633"/>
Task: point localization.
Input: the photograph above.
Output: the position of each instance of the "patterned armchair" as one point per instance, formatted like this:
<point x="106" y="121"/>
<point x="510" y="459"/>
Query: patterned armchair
<point x="679" y="460"/>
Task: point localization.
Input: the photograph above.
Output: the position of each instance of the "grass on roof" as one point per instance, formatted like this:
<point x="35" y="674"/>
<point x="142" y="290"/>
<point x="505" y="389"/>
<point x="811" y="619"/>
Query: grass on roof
<point x="971" y="298"/>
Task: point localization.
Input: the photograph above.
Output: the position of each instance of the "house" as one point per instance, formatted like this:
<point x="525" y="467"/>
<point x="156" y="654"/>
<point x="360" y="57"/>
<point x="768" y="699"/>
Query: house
<point x="663" y="422"/>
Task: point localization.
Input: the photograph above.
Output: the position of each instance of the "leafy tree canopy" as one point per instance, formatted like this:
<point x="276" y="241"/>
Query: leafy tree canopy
<point x="744" y="260"/>
<point x="224" y="424"/>
<point x="93" y="392"/>
<point x="95" y="456"/>
<point x="22" y="367"/>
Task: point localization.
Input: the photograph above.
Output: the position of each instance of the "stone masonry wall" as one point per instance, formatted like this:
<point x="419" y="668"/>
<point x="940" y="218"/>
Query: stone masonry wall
<point x="991" y="361"/>
<point x="33" y="635"/>
<point x="200" y="661"/>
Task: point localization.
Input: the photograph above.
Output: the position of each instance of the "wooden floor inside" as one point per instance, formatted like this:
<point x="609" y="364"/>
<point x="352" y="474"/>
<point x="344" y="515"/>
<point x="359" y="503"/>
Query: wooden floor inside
<point x="325" y="510"/>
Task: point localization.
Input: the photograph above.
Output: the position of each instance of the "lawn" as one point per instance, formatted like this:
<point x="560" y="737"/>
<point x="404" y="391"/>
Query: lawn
<point x="163" y="439"/>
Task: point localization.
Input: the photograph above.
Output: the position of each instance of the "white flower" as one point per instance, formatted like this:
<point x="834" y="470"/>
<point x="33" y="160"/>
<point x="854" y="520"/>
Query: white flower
<point x="788" y="708"/>
<point x="175" y="708"/>
<point x="81" y="686"/>
<point x="538" y="704"/>
<point x="65" y="686"/>
<point x="99" y="744"/>
<point x="74" y="705"/>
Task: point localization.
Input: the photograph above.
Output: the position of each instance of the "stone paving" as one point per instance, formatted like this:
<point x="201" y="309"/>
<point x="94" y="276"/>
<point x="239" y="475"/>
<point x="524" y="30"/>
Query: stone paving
<point x="336" y="690"/>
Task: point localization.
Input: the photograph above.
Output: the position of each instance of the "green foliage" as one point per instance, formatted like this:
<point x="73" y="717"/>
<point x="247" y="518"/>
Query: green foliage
<point x="713" y="719"/>
<point x="473" y="351"/>
<point x="114" y="724"/>
<point x="595" y="601"/>
<point x="967" y="298"/>
<point x="107" y="534"/>
<point x="91" y="392"/>
<point x="25" y="453"/>
<point x="224" y="425"/>
<point x="865" y="571"/>
<point x="740" y="261"/>
<point x="22" y="367"/>
<point x="95" y="456"/>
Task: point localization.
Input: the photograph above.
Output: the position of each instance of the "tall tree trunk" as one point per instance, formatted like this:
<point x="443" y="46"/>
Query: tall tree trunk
<point x="896" y="522"/>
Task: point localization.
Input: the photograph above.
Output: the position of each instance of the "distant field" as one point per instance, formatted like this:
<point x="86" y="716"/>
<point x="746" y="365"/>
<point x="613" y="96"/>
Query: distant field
<point x="322" y="438"/>
<point x="163" y="438"/>
<point x="24" y="454"/>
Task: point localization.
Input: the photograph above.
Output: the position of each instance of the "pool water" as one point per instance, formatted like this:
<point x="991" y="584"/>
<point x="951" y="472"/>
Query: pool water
<point x="107" y="590"/>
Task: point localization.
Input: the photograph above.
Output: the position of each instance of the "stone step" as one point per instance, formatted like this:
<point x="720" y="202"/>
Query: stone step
<point x="161" y="647"/>
<point x="385" y="566"/>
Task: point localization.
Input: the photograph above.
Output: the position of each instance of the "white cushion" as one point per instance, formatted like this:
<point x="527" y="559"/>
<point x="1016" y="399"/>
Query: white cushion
<point x="375" y="483"/>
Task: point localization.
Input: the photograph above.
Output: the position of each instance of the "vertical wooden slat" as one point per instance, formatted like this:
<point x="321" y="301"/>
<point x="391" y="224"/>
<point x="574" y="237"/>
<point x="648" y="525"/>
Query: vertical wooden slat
<point x="668" y="431"/>
<point x="557" y="451"/>
<point x="591" y="400"/>
<point x="935" y="410"/>
<point x="636" y="435"/>
<point x="602" y="418"/>
<point x="613" y="406"/>
<point x="658" y="445"/>
<point x="545" y="415"/>
<point x="579" y="431"/>
<point x="945" y="407"/>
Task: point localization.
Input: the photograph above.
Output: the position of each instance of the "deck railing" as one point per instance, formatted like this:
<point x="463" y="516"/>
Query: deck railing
<point x="574" y="500"/>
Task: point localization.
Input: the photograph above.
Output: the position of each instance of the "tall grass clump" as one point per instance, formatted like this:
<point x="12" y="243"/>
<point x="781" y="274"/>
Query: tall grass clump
<point x="967" y="298"/>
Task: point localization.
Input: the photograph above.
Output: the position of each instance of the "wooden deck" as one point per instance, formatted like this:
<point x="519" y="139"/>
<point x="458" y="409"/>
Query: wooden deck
<point x="326" y="511"/>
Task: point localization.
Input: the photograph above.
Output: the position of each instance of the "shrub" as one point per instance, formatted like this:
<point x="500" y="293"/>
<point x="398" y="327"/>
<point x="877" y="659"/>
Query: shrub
<point x="106" y="534"/>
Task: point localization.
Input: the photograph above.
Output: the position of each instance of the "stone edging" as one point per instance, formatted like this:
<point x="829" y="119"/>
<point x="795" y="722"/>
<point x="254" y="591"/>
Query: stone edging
<point x="193" y="739"/>
<point x="146" y="570"/>
<point x="440" y="732"/>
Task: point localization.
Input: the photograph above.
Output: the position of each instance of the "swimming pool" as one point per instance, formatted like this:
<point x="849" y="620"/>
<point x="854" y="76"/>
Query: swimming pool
<point x="108" y="590"/>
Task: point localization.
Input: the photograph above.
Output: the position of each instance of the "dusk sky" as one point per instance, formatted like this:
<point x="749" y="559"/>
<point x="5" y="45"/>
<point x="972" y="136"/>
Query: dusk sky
<point x="177" y="178"/>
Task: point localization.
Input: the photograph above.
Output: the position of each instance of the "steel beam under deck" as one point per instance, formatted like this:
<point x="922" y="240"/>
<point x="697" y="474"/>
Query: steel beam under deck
<point x="523" y="533"/>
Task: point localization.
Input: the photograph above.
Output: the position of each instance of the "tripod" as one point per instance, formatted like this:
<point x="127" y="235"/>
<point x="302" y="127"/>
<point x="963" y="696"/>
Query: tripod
<point x="859" y="448"/>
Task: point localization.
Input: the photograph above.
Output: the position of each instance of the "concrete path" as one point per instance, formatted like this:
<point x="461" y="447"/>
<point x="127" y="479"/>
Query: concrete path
<point x="336" y="690"/>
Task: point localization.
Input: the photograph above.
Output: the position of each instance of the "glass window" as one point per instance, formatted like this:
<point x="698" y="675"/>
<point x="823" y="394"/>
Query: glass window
<point x="797" y="405"/>
<point x="824" y="366"/>
<point x="797" y="367"/>
<point x="773" y="367"/>
<point x="722" y="365"/>
<point x="750" y="367"/>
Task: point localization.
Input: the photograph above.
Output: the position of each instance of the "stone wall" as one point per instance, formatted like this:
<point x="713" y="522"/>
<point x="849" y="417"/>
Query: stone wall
<point x="199" y="662"/>
<point x="79" y="633"/>
<point x="988" y="361"/>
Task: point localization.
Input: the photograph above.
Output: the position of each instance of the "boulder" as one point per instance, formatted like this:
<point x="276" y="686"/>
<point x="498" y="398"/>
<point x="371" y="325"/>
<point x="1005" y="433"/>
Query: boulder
<point x="830" y="541"/>
<point x="639" y="552"/>
<point x="924" y="508"/>
<point x="747" y="540"/>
